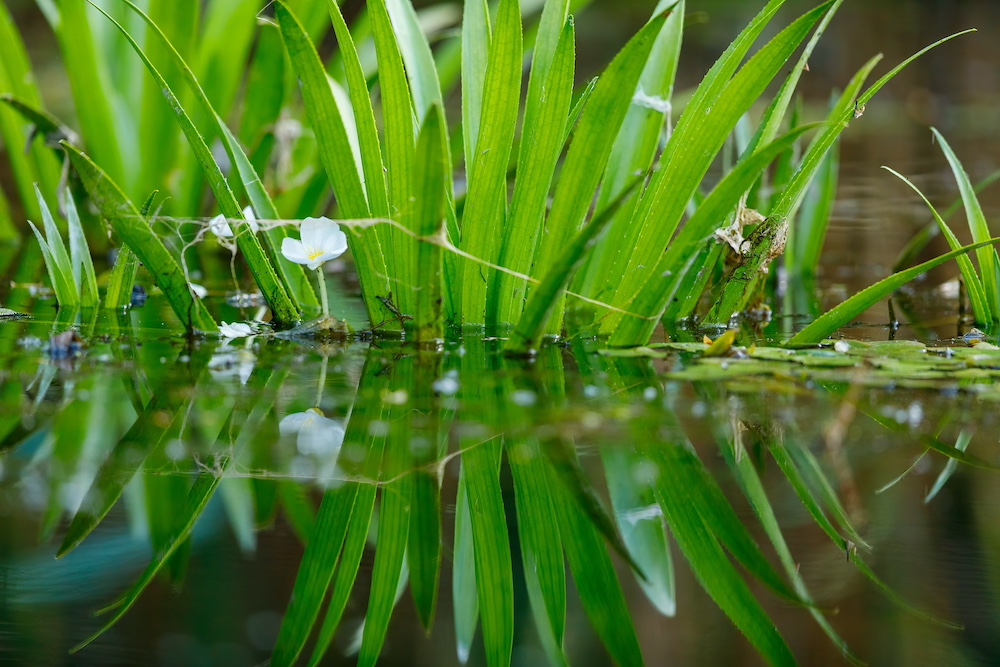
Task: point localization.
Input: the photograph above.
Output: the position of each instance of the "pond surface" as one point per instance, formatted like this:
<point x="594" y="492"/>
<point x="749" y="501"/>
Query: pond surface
<point x="137" y="421"/>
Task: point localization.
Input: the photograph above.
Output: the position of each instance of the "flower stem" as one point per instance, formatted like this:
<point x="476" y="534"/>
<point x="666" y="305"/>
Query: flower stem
<point x="322" y="381"/>
<point x="322" y="292"/>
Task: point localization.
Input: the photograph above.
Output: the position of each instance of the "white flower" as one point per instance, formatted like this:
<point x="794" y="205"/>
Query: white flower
<point x="198" y="290"/>
<point x="315" y="434"/>
<point x="321" y="241"/>
<point x="235" y="330"/>
<point x="251" y="219"/>
<point x="220" y="227"/>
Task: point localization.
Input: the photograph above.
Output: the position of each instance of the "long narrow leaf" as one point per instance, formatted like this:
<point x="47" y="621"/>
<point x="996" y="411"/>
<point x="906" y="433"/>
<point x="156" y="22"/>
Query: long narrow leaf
<point x="545" y="299"/>
<point x="949" y="468"/>
<point x="416" y="53"/>
<point x="177" y="21"/>
<point x="596" y="582"/>
<point x="80" y="260"/>
<point x="541" y="545"/>
<point x="486" y="202"/>
<point x="132" y="228"/>
<point x="17" y="85"/>
<point x="589" y="151"/>
<point x="494" y="575"/>
<point x="465" y="600"/>
<point x="354" y="547"/>
<point x="93" y="94"/>
<point x="476" y="37"/>
<point x="334" y="148"/>
<point x="657" y="293"/>
<point x="118" y="293"/>
<point x="315" y="572"/>
<point x="977" y="293"/>
<point x="713" y="570"/>
<point x="56" y="258"/>
<point x="393" y="531"/>
<point x="364" y="117"/>
<point x="635" y="148"/>
<point x="202" y="491"/>
<point x="860" y="302"/>
<point x="285" y="312"/>
<point x="794" y="192"/>
<point x="989" y="263"/>
<point x="400" y="145"/>
<point x="753" y="489"/>
<point x="427" y="221"/>
<point x="542" y="142"/>
<point x="700" y="134"/>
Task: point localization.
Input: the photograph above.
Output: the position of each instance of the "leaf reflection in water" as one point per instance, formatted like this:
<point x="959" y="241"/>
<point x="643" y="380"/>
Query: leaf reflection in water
<point x="407" y="423"/>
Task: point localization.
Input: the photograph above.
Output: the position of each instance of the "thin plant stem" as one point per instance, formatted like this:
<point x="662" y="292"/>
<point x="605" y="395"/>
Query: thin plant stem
<point x="324" y="299"/>
<point x="322" y="381"/>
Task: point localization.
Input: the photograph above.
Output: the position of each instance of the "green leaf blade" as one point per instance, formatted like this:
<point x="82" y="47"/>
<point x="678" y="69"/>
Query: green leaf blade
<point x="336" y="155"/>
<point x="486" y="202"/>
<point x="134" y="231"/>
<point x="285" y="312"/>
<point x="822" y="327"/>
<point x="541" y="144"/>
<point x="590" y="149"/>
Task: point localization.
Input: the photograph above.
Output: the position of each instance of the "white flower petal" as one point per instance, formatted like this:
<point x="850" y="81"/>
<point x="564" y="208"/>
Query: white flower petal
<point x="198" y="290"/>
<point x="327" y="236"/>
<point x="316" y="434"/>
<point x="291" y="424"/>
<point x="247" y="362"/>
<point x="321" y="437"/>
<point x="294" y="251"/>
<point x="251" y="219"/>
<point x="220" y="227"/>
<point x="324" y="235"/>
<point x="228" y="363"/>
<point x="311" y="230"/>
<point x="235" y="330"/>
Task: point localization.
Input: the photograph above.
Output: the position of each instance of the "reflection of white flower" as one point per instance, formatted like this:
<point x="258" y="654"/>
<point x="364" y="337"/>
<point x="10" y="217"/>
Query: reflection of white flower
<point x="229" y="362"/>
<point x="198" y="290"/>
<point x="235" y="330"/>
<point x="220" y="227"/>
<point x="322" y="240"/>
<point x="316" y="434"/>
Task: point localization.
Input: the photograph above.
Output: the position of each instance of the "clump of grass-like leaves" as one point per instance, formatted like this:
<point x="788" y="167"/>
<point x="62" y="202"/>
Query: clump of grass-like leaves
<point x="607" y="223"/>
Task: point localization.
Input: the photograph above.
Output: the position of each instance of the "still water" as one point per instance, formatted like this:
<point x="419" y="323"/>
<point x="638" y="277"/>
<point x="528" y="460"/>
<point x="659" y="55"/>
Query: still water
<point x="590" y="443"/>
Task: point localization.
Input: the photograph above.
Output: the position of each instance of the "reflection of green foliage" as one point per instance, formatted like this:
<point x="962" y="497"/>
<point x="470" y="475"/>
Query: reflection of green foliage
<point x="502" y="419"/>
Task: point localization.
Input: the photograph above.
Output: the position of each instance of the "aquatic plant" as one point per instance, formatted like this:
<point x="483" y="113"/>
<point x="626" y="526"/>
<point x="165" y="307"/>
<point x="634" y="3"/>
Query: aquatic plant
<point x="982" y="285"/>
<point x="425" y="254"/>
<point x="71" y="273"/>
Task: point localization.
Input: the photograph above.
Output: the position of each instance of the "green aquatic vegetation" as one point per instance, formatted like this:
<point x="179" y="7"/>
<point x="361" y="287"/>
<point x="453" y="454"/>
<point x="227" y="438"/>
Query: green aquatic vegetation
<point x="968" y="368"/>
<point x="424" y="258"/>
<point x="981" y="285"/>
<point x="922" y="238"/>
<point x="844" y="313"/>
<point x="71" y="273"/>
<point x="131" y="226"/>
